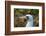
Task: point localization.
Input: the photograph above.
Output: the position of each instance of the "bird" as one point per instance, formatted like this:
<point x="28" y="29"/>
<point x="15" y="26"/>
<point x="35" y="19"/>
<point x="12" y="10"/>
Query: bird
<point x="29" y="20"/>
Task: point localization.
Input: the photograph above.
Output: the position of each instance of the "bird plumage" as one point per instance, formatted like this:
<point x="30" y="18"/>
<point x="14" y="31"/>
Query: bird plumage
<point x="29" y="21"/>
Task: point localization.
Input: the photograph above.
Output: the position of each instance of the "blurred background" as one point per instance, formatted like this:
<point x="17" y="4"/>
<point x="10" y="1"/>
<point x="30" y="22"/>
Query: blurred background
<point x="19" y="20"/>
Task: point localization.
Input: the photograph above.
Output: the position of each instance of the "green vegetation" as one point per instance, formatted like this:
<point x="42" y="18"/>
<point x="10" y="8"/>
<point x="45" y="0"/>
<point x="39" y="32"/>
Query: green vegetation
<point x="26" y="11"/>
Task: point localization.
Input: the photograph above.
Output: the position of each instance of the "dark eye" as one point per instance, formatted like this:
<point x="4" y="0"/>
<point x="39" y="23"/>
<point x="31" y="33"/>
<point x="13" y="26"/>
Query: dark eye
<point x="27" y="17"/>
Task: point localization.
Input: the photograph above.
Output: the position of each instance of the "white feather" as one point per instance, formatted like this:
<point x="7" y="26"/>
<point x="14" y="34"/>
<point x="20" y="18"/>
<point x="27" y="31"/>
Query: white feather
<point x="30" y="21"/>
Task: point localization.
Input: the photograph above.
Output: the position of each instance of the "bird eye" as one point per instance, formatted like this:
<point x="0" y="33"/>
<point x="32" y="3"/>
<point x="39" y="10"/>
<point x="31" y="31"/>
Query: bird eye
<point x="27" y="17"/>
